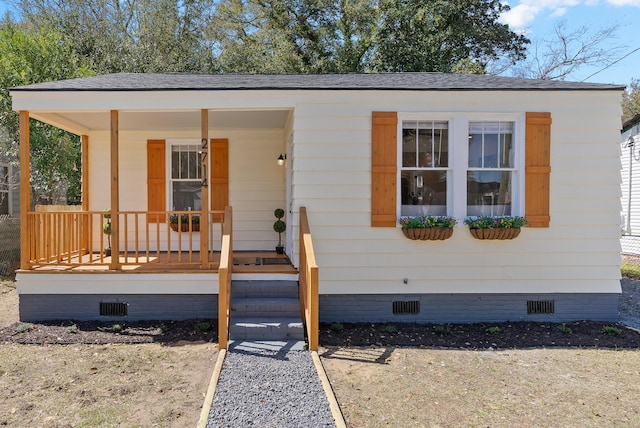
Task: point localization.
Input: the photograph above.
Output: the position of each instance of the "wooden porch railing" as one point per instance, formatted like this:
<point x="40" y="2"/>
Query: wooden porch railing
<point x="308" y="280"/>
<point x="77" y="238"/>
<point x="225" y="271"/>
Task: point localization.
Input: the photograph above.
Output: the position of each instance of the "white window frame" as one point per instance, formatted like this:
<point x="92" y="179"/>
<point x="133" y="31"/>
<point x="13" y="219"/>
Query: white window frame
<point x="169" y="144"/>
<point x="459" y="157"/>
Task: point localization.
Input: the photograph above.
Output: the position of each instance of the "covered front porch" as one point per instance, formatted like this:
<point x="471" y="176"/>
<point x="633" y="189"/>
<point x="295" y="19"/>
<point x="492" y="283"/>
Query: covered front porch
<point x="160" y="173"/>
<point x="156" y="194"/>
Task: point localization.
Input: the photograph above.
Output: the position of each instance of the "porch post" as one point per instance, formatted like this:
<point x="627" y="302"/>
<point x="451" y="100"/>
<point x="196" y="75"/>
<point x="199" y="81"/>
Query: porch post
<point x="84" y="191"/>
<point x="204" y="218"/>
<point x="25" y="190"/>
<point x="115" y="195"/>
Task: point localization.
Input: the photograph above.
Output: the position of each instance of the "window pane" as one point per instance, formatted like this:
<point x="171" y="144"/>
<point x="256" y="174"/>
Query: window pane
<point x="475" y="150"/>
<point x="488" y="193"/>
<point x="185" y="162"/>
<point x="506" y="147"/>
<point x="441" y="147"/>
<point x="425" y="144"/>
<point x="409" y="147"/>
<point x="490" y="154"/>
<point x="425" y="148"/>
<point x="175" y="163"/>
<point x="187" y="195"/>
<point x="423" y="193"/>
<point x="491" y="144"/>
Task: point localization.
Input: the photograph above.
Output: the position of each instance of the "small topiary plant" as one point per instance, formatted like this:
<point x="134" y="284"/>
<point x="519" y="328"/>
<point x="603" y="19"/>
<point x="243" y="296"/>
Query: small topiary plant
<point x="279" y="226"/>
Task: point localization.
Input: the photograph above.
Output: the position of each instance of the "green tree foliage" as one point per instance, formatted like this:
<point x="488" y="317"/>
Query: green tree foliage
<point x="439" y="35"/>
<point x="28" y="57"/>
<point x="631" y="100"/>
<point x="363" y="35"/>
<point x="129" y="36"/>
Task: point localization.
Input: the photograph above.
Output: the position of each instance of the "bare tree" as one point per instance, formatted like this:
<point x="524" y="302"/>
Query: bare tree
<point x="562" y="54"/>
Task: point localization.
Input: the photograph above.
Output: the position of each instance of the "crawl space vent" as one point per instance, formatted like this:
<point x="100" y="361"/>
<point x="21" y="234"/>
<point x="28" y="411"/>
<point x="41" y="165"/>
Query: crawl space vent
<point x="113" y="309"/>
<point x="408" y="307"/>
<point x="540" y="307"/>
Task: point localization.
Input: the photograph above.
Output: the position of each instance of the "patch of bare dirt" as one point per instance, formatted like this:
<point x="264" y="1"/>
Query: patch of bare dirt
<point x="88" y="374"/>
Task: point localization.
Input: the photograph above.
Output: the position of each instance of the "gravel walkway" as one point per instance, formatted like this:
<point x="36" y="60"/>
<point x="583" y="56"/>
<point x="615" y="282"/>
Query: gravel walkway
<point x="269" y="388"/>
<point x="629" y="304"/>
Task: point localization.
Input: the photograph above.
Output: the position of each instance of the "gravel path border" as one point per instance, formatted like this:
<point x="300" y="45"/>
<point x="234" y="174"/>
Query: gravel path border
<point x="269" y="388"/>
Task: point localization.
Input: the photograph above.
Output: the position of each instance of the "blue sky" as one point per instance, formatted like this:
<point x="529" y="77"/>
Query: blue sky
<point x="537" y="17"/>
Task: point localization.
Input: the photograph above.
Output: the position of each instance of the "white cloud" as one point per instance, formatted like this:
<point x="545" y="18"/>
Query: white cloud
<point x="526" y="11"/>
<point x="635" y="3"/>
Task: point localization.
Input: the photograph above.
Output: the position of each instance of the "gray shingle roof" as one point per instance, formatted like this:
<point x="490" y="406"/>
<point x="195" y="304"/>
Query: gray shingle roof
<point x="385" y="81"/>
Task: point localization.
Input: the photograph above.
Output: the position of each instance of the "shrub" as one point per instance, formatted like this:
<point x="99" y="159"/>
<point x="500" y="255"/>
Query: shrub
<point x="564" y="329"/>
<point x="204" y="326"/>
<point x="73" y="329"/>
<point x="442" y="330"/>
<point x="116" y="328"/>
<point x="390" y="329"/>
<point x="24" y="327"/>
<point x="494" y="330"/>
<point x="337" y="327"/>
<point x="610" y="330"/>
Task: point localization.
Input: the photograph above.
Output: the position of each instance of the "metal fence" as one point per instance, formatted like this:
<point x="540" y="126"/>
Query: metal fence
<point x="630" y="250"/>
<point x="9" y="244"/>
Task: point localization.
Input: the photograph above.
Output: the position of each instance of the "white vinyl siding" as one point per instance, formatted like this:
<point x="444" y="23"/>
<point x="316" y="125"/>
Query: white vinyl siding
<point x="579" y="252"/>
<point x="256" y="182"/>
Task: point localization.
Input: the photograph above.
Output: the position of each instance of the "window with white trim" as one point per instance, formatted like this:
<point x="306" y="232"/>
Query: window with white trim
<point x="424" y="167"/>
<point x="491" y="168"/>
<point x="461" y="164"/>
<point x="185" y="185"/>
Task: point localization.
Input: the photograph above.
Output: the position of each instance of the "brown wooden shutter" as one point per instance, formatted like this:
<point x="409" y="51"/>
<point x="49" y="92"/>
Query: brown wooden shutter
<point x="384" y="131"/>
<point x="219" y="184"/>
<point x="538" y="169"/>
<point x="156" y="179"/>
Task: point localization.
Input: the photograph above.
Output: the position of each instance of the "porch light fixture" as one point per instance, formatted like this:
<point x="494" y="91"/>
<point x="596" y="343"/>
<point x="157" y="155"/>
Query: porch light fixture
<point x="281" y="159"/>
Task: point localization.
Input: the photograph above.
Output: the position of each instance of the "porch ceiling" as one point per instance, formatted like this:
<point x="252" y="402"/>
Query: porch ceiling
<point x="85" y="122"/>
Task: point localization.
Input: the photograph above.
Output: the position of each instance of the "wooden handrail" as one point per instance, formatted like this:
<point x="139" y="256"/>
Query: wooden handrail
<point x="76" y="238"/>
<point x="225" y="272"/>
<point x="308" y="280"/>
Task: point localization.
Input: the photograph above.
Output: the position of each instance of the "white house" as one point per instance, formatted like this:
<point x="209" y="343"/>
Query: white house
<point x="361" y="150"/>
<point x="630" y="186"/>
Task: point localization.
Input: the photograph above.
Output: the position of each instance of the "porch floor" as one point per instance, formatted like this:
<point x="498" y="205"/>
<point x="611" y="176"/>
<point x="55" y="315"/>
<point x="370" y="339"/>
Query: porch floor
<point x="172" y="262"/>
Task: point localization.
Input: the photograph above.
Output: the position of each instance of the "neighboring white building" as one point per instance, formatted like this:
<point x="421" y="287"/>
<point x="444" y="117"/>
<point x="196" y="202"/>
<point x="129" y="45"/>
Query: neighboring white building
<point x="361" y="151"/>
<point x="630" y="187"/>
